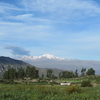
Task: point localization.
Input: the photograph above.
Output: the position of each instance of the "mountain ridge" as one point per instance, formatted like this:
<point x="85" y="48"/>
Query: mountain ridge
<point x="7" y="62"/>
<point x="63" y="64"/>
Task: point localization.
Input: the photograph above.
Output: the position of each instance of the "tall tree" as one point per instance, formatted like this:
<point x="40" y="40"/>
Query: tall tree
<point x="6" y="75"/>
<point x="67" y="74"/>
<point x="76" y="73"/>
<point x="60" y="75"/>
<point x="28" y="71"/>
<point x="83" y="71"/>
<point x="90" y="71"/>
<point x="10" y="74"/>
<point x="49" y="73"/>
<point x="21" y="73"/>
<point x="31" y="72"/>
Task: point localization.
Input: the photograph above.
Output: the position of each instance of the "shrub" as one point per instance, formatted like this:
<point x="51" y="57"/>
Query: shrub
<point x="7" y="82"/>
<point x="86" y="84"/>
<point x="74" y="89"/>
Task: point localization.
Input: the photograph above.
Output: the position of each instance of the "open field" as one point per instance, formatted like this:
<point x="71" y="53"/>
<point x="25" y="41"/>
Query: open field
<point x="92" y="78"/>
<point x="47" y="92"/>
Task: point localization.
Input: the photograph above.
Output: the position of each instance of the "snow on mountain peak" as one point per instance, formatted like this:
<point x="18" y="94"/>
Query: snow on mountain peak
<point x="49" y="56"/>
<point x="45" y="56"/>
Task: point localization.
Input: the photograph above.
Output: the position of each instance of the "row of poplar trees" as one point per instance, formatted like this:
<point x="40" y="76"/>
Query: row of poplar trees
<point x="12" y="73"/>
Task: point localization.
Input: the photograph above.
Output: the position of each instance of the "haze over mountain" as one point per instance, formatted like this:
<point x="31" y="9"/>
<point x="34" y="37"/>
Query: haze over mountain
<point x="51" y="61"/>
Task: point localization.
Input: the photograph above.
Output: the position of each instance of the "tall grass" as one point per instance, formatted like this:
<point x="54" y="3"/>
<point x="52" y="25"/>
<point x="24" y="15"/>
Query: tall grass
<point x="41" y="92"/>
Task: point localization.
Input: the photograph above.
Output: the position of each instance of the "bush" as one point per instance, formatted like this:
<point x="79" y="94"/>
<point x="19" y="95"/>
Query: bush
<point x="74" y="89"/>
<point x="86" y="84"/>
<point x="7" y="82"/>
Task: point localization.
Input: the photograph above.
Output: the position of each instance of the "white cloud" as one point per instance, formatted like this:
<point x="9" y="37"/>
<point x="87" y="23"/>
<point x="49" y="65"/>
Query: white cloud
<point x="65" y="8"/>
<point x="29" y="18"/>
<point x="6" y="8"/>
<point x="24" y="31"/>
<point x="85" y="38"/>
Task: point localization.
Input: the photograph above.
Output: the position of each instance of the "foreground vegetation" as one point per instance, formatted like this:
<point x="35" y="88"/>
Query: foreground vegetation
<point x="42" y="90"/>
<point x="48" y="92"/>
<point x="26" y="84"/>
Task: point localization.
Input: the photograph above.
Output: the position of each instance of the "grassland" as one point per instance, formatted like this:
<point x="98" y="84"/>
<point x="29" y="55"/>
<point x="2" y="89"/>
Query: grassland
<point x="35" y="91"/>
<point x="48" y="92"/>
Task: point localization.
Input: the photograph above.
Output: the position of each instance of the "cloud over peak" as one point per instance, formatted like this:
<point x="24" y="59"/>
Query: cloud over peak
<point x="17" y="50"/>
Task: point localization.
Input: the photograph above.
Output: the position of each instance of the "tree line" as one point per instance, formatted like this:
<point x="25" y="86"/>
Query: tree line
<point x="12" y="73"/>
<point x="70" y="74"/>
<point x="31" y="72"/>
<point x="67" y="74"/>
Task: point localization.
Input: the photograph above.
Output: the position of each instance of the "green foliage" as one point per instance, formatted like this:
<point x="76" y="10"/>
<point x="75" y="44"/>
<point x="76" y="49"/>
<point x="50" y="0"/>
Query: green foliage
<point x="13" y="74"/>
<point x="28" y="71"/>
<point x="39" y="92"/>
<point x="76" y="73"/>
<point x="66" y="74"/>
<point x="49" y="73"/>
<point x="86" y="83"/>
<point x="31" y="72"/>
<point x="74" y="89"/>
<point x="90" y="71"/>
<point x="42" y="75"/>
<point x="21" y="73"/>
<point x="7" y="82"/>
<point x="83" y="71"/>
<point x="10" y="74"/>
<point x="54" y="77"/>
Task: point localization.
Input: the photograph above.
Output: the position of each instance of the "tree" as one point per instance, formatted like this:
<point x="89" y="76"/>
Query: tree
<point x="60" y="75"/>
<point x="28" y="71"/>
<point x="83" y="71"/>
<point x="10" y="74"/>
<point x="90" y="71"/>
<point x="54" y="77"/>
<point x="42" y="75"/>
<point x="31" y="72"/>
<point x="21" y="73"/>
<point x="67" y="74"/>
<point x="49" y="73"/>
<point x="6" y="75"/>
<point x="76" y="73"/>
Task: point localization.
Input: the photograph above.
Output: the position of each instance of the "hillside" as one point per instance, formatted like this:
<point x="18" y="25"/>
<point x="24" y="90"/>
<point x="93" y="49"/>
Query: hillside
<point x="6" y="62"/>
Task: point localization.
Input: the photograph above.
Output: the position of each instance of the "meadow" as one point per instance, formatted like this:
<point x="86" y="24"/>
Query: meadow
<point x="47" y="92"/>
<point x="53" y="91"/>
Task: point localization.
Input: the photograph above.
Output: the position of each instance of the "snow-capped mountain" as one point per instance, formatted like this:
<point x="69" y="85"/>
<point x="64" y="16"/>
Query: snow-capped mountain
<point x="51" y="61"/>
<point x="43" y="57"/>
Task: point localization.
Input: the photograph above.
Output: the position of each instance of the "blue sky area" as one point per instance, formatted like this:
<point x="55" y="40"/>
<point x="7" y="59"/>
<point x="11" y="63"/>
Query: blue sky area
<point x="65" y="28"/>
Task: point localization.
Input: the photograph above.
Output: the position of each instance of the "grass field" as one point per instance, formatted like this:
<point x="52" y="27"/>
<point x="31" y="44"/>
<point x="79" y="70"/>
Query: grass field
<point x="42" y="90"/>
<point x="47" y="92"/>
<point x="70" y="80"/>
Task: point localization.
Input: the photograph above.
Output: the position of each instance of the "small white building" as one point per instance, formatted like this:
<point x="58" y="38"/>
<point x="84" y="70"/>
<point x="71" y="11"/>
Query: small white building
<point x="65" y="84"/>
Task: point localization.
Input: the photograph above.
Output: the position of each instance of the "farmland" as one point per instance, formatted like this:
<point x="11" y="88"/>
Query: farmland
<point x="35" y="91"/>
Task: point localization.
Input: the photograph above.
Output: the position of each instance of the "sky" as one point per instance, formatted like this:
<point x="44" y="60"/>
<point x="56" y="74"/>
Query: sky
<point x="65" y="28"/>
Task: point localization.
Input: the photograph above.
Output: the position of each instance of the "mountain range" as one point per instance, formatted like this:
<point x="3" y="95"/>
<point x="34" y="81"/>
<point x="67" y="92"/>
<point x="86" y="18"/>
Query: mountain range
<point x="51" y="61"/>
<point x="7" y="62"/>
<point x="47" y="61"/>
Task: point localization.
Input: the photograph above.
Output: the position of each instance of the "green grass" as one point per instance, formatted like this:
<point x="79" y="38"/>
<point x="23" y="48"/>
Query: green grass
<point x="70" y="80"/>
<point x="92" y="78"/>
<point x="45" y="91"/>
<point x="42" y="92"/>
